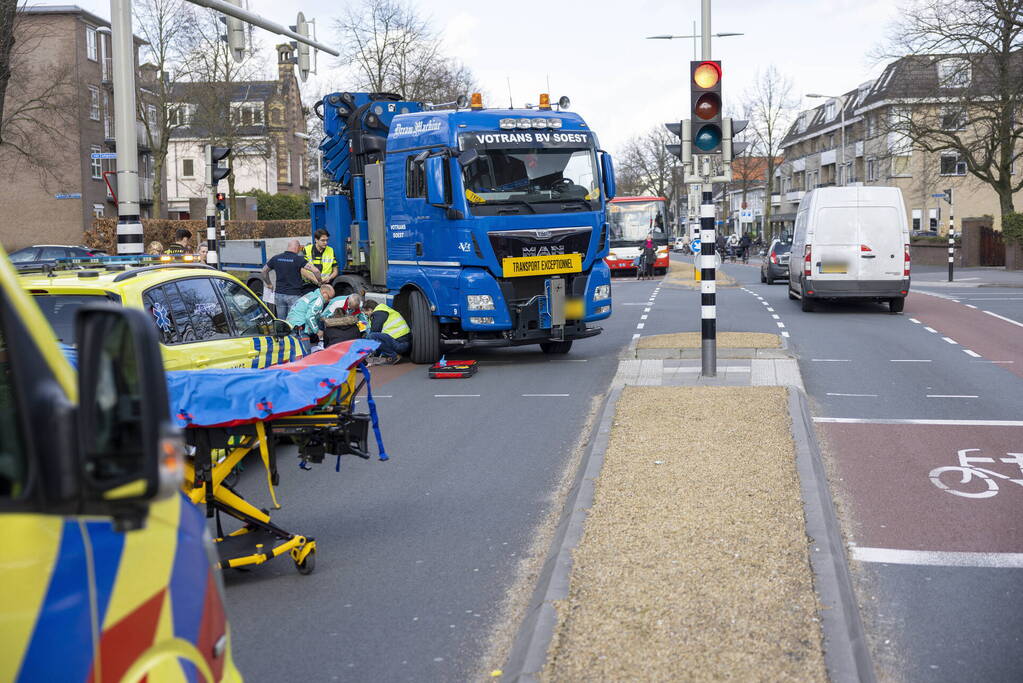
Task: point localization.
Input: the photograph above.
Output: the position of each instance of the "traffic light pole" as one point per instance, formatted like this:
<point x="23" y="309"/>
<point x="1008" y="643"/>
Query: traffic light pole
<point x="951" y="232"/>
<point x="129" y="226"/>
<point x="211" y="209"/>
<point x="708" y="285"/>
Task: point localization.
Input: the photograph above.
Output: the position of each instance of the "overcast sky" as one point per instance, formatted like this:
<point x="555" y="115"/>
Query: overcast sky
<point x="594" y="51"/>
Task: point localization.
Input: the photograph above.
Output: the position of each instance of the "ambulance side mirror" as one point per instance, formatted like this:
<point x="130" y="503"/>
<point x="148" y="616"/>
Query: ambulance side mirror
<point x="130" y="453"/>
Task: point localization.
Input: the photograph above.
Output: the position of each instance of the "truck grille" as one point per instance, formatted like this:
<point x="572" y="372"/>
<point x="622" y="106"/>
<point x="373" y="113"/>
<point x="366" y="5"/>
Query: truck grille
<point x="508" y="243"/>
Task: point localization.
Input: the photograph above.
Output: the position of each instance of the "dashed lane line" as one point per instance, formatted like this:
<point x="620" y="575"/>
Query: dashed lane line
<point x="931" y="330"/>
<point x="971" y="353"/>
<point x="546" y="395"/>
<point x="949" y="340"/>
<point x="456" y="395"/>
<point x="830" y="360"/>
<point x="1008" y="320"/>
<point x="914" y="320"/>
<point x="911" y="360"/>
<point x="854" y="395"/>
<point x="952" y="396"/>
<point x="919" y="421"/>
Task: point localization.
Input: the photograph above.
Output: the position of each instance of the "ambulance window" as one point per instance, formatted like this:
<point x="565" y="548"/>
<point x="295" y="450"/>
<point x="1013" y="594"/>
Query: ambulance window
<point x="12" y="448"/>
<point x="248" y="315"/>
<point x="195" y="300"/>
<point x="155" y="302"/>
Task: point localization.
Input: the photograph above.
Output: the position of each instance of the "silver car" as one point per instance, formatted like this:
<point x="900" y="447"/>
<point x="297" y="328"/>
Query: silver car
<point x="775" y="265"/>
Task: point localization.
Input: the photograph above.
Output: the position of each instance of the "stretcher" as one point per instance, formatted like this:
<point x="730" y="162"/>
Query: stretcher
<point x="228" y="414"/>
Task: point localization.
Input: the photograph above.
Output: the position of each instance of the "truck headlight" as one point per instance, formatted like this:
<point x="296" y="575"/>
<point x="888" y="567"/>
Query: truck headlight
<point x="480" y="320"/>
<point x="481" y="302"/>
<point x="601" y="292"/>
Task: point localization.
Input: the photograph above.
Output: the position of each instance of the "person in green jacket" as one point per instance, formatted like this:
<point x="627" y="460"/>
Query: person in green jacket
<point x="304" y="315"/>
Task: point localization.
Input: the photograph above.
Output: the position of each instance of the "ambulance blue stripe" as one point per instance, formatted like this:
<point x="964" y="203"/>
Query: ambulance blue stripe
<point x="188" y="579"/>
<point x="107" y="546"/>
<point x="61" y="647"/>
<point x="291" y="348"/>
<point x="255" y="346"/>
<point x="269" y="352"/>
<point x="280" y="351"/>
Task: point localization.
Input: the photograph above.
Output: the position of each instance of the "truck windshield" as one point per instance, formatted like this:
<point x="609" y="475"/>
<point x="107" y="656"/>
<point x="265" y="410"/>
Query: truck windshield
<point x="533" y="179"/>
<point x="60" y="310"/>
<point x="632" y="221"/>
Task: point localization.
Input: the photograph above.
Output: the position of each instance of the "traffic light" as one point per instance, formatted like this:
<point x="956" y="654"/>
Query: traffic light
<point x="683" y="151"/>
<point x="705" y="104"/>
<point x="221" y="201"/>
<point x="235" y="34"/>
<point x="214" y="171"/>
<point x="729" y="148"/>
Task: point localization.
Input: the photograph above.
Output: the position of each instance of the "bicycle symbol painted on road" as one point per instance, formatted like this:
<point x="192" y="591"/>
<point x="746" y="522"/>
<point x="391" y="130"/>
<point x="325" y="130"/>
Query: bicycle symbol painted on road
<point x="973" y="481"/>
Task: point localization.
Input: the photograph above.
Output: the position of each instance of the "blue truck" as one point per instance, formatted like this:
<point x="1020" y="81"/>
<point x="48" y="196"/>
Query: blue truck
<point x="483" y="227"/>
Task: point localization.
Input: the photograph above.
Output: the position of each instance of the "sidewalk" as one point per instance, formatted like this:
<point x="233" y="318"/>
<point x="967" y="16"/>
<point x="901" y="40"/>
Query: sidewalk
<point x="699" y="542"/>
<point x="937" y="276"/>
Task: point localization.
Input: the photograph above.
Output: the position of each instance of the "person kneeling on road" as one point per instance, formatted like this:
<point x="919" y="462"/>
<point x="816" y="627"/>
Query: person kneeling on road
<point x="387" y="327"/>
<point x="341" y="319"/>
<point x="304" y="315"/>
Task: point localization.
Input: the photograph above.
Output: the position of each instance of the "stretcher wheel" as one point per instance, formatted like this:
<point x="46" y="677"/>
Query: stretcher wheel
<point x="275" y="478"/>
<point x="306" y="566"/>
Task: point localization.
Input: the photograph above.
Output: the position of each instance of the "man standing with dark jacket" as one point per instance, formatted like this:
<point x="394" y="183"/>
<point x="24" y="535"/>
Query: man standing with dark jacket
<point x="288" y="266"/>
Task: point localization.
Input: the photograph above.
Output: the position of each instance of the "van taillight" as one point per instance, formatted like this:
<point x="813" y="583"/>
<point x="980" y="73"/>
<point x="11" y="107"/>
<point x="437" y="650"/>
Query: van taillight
<point x="905" y="263"/>
<point x="807" y="270"/>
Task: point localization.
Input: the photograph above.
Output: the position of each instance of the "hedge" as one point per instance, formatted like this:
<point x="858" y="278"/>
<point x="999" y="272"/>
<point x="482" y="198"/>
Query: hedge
<point x="1012" y="227"/>
<point x="103" y="233"/>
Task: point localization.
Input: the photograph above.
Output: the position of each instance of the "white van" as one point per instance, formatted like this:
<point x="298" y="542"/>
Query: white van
<point x="850" y="243"/>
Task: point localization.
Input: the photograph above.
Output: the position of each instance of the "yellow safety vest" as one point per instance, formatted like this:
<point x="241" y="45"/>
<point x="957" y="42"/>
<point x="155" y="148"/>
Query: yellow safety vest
<point x="324" y="262"/>
<point x="395" y="326"/>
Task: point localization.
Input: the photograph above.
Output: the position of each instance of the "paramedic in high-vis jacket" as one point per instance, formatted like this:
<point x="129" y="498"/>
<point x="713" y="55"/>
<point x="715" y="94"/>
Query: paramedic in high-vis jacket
<point x="387" y="327"/>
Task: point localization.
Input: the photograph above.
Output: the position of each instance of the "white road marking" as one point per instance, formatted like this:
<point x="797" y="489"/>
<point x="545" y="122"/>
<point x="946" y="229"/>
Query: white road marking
<point x="912" y="320"/>
<point x="931" y="329"/>
<point x="949" y="340"/>
<point x="766" y="304"/>
<point x="456" y="395"/>
<point x="952" y="396"/>
<point x="780" y="324"/>
<point x="944" y="423"/>
<point x="970" y="306"/>
<point x="569" y="360"/>
<point x="971" y="353"/>
<point x="770" y="310"/>
<point x="993" y="361"/>
<point x="775" y="316"/>
<point x="646" y="310"/>
<point x="863" y="395"/>
<point x="631" y="303"/>
<point x="785" y="334"/>
<point x="640" y="326"/>
<point x="995" y="298"/>
<point x="1008" y="320"/>
<point x="635" y="336"/>
<point x="643" y="317"/>
<point x="911" y="360"/>
<point x="829" y="360"/>
<point x="937" y="558"/>
<point x="545" y="395"/>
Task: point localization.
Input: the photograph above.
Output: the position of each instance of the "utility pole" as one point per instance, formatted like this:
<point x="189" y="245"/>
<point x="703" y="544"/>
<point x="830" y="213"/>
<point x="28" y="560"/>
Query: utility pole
<point x="708" y="281"/>
<point x="129" y="225"/>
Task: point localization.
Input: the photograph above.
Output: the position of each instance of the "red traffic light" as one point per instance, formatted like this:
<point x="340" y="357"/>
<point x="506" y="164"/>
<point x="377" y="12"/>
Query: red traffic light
<point x="707" y="74"/>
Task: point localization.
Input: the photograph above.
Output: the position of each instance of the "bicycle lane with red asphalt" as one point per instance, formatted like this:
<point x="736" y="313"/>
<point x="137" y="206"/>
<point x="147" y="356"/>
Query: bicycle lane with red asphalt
<point x="935" y="544"/>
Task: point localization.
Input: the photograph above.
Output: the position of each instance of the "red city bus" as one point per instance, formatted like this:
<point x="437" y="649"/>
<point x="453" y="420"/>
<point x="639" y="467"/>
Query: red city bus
<point x="631" y="219"/>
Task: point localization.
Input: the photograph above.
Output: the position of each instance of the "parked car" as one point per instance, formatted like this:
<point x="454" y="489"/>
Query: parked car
<point x="51" y="252"/>
<point x="775" y="265"/>
<point x="680" y="243"/>
<point x="851" y="243"/>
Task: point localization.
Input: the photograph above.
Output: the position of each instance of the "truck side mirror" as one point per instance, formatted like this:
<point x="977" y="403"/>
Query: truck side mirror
<point x="467" y="157"/>
<point x="130" y="453"/>
<point x="436" y="192"/>
<point x="608" y="172"/>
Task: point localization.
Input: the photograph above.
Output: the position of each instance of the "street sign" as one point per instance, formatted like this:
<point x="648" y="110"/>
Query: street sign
<point x="70" y="195"/>
<point x="746" y="216"/>
<point x="694" y="246"/>
<point x="103" y="155"/>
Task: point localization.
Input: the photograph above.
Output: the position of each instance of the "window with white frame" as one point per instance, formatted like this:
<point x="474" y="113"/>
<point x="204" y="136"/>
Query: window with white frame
<point x="952" y="164"/>
<point x="954" y="72"/>
<point x="918" y="216"/>
<point x="870" y="125"/>
<point x="151" y="117"/>
<point x="247" y="113"/>
<point x="301" y="170"/>
<point x="287" y="169"/>
<point x="803" y="122"/>
<point x="953" y="118"/>
<point x="933" y="217"/>
<point x="108" y="120"/>
<point x="830" y="110"/>
<point x="91" y="49"/>
<point x="94" y="102"/>
<point x="871" y="169"/>
<point x="180" y="114"/>
<point x="831" y="140"/>
<point x="188" y="168"/>
<point x="96" y="164"/>
<point x="97" y="210"/>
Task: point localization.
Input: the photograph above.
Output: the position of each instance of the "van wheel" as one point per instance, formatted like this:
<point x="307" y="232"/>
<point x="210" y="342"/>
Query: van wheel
<point x="425" y="330"/>
<point x="762" y="278"/>
<point x="896" y="304"/>
<point x="556" y="347"/>
<point x="806" y="303"/>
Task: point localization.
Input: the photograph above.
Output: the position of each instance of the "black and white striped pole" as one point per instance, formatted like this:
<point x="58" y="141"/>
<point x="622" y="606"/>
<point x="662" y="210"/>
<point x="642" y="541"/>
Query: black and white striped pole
<point x="129" y="225"/>
<point x="708" y="285"/>
<point x="951" y="232"/>
<point x="214" y="174"/>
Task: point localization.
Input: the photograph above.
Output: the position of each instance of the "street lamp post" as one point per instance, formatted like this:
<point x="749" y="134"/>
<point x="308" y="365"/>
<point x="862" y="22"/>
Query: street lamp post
<point x="842" y="151"/>
<point x="696" y="37"/>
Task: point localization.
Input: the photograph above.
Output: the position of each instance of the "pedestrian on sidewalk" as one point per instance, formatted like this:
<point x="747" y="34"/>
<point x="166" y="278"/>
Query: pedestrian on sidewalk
<point x="304" y="315"/>
<point x="288" y="266"/>
<point x="390" y="329"/>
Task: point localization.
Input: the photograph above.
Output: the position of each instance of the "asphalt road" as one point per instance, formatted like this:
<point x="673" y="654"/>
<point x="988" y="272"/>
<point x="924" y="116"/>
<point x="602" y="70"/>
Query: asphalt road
<point x="415" y="555"/>
<point x="899" y="400"/>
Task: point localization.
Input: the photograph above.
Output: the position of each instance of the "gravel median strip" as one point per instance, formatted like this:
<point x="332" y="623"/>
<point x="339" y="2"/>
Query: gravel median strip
<point x="725" y="340"/>
<point x="694" y="564"/>
<point x="683" y="273"/>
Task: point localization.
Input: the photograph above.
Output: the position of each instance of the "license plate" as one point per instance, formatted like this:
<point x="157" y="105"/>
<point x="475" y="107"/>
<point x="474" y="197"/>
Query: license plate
<point x="834" y="268"/>
<point x="521" y="266"/>
<point x="575" y="309"/>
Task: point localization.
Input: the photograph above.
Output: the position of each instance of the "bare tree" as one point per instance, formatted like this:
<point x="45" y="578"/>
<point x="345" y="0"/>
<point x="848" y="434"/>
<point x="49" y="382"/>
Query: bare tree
<point x="394" y="49"/>
<point x="646" y="167"/>
<point x="37" y="98"/>
<point x="958" y="88"/>
<point x="770" y="106"/>
<point x="167" y="26"/>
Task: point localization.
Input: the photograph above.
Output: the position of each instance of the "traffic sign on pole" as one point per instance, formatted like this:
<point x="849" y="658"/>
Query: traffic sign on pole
<point x="103" y="155"/>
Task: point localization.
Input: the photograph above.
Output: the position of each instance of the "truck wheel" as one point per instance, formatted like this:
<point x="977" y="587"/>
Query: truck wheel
<point x="896" y="304"/>
<point x="556" y="347"/>
<point x="425" y="330"/>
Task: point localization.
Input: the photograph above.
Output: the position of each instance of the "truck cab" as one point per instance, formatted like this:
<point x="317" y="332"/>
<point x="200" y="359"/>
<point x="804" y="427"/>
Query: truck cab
<point x="106" y="569"/>
<point x="482" y="227"/>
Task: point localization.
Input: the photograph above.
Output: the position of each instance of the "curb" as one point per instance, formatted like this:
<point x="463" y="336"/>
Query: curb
<point x="846" y="654"/>
<point x="529" y="649"/>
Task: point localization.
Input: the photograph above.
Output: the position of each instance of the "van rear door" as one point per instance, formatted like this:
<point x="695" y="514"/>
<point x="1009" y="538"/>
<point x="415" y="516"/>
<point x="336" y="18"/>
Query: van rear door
<point x="882" y="251"/>
<point x="835" y="244"/>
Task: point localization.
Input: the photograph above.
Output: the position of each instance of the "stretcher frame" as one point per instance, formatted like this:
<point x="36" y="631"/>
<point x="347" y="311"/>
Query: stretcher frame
<point x="216" y="451"/>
